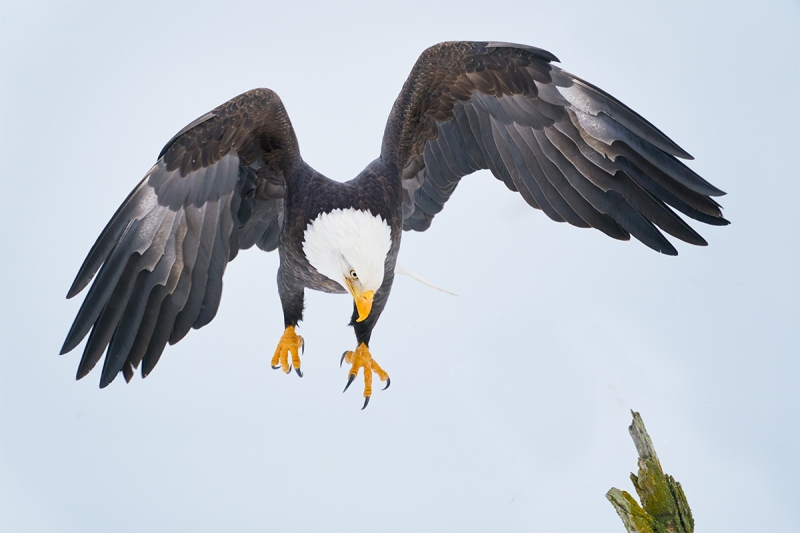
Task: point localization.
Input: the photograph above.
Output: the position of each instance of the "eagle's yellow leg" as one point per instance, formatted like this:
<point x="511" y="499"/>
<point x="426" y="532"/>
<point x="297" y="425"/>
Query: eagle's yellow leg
<point x="361" y="358"/>
<point x="290" y="344"/>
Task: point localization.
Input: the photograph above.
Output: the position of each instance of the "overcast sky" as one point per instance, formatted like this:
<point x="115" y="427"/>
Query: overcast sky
<point x="510" y="403"/>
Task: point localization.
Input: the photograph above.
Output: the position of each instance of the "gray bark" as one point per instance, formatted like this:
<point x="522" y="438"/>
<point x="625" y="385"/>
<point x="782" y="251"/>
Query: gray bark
<point x="663" y="508"/>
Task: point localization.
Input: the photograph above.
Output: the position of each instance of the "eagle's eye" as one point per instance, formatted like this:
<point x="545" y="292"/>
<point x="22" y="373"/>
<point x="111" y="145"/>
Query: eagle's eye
<point x="353" y="274"/>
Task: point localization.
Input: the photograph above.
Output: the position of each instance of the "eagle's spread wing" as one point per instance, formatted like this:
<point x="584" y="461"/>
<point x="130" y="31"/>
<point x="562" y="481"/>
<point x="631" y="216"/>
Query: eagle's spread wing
<point x="216" y="188"/>
<point x="567" y="147"/>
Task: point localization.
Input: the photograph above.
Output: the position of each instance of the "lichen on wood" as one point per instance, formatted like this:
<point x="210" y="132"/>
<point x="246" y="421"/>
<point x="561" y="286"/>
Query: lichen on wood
<point x="663" y="508"/>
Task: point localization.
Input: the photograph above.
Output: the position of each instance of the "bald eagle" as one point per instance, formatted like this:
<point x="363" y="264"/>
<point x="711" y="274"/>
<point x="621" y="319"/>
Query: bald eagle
<point x="234" y="178"/>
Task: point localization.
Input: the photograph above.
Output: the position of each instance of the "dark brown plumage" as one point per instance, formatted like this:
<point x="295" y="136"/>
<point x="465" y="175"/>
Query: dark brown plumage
<point x="234" y="178"/>
<point x="567" y="147"/>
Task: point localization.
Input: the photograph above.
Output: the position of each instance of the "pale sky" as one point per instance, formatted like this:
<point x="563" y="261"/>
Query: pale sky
<point x="509" y="404"/>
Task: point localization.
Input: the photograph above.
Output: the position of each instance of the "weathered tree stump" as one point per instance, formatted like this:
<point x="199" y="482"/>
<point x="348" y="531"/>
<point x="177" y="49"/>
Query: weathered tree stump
<point x="664" y="508"/>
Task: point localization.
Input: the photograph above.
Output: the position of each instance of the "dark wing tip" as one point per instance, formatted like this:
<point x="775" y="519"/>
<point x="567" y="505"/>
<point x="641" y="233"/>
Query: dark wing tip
<point x="82" y="372"/>
<point x="80" y="283"/>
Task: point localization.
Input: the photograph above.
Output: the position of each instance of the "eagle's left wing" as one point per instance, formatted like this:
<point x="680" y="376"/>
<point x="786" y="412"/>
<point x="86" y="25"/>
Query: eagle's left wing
<point x="567" y="147"/>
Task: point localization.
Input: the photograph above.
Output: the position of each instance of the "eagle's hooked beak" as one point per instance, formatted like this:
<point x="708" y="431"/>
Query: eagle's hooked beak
<point x="364" y="304"/>
<point x="363" y="301"/>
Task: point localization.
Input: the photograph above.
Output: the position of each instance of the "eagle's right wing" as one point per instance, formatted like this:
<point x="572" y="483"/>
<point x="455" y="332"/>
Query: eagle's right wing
<point x="217" y="187"/>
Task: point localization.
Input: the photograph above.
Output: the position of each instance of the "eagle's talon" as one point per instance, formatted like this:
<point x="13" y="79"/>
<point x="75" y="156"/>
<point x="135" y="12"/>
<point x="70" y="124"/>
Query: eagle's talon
<point x="349" y="382"/>
<point x="361" y="358"/>
<point x="342" y="359"/>
<point x="388" y="382"/>
<point x="287" y="353"/>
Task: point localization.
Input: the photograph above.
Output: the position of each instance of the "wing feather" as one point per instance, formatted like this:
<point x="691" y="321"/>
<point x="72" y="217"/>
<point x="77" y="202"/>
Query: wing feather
<point x="462" y="142"/>
<point x="637" y="197"/>
<point x="579" y="204"/>
<point x="490" y="149"/>
<point x="546" y="196"/>
<point x="594" y="101"/>
<point x="436" y="175"/>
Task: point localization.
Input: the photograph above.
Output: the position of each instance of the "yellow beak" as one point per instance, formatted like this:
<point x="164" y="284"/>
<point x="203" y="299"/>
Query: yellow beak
<point x="364" y="304"/>
<point x="363" y="301"/>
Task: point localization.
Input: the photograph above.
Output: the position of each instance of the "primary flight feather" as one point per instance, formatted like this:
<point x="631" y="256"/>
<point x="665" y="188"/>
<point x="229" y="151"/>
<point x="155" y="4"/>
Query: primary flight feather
<point x="234" y="178"/>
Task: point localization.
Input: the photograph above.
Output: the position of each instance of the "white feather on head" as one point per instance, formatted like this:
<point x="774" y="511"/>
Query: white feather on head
<point x="348" y="240"/>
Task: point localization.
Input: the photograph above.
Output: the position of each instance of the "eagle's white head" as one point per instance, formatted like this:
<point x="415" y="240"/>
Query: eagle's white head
<point x="350" y="246"/>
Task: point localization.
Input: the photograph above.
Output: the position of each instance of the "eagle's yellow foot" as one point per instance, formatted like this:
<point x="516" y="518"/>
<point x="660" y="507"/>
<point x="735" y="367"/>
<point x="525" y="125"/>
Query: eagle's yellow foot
<point x="361" y="358"/>
<point x="290" y="343"/>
